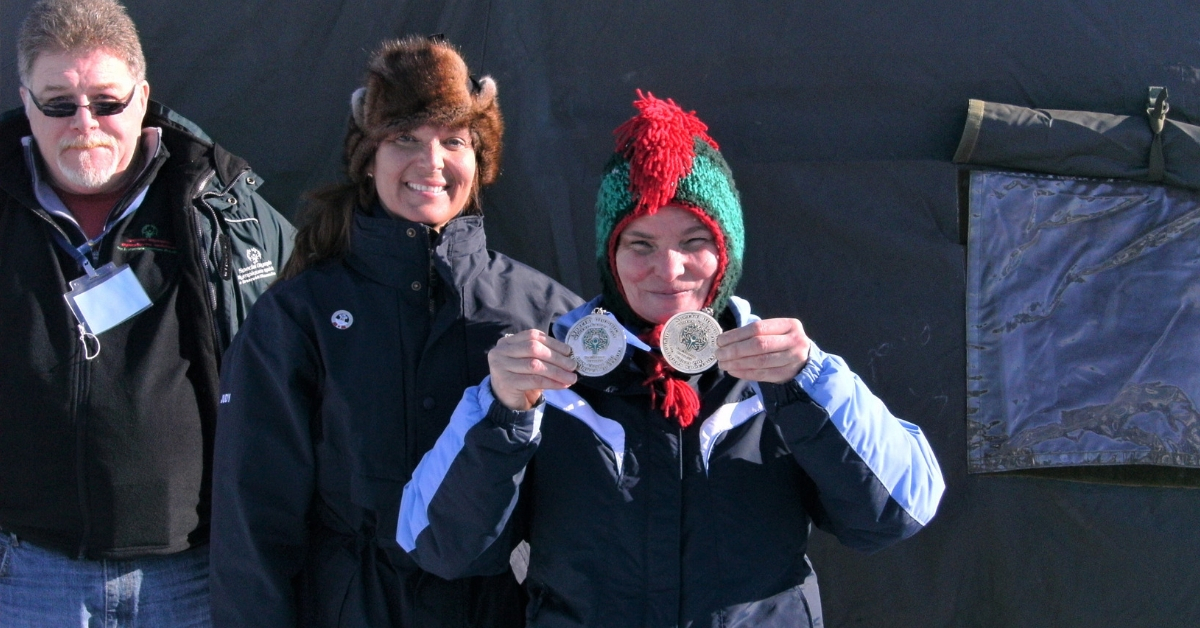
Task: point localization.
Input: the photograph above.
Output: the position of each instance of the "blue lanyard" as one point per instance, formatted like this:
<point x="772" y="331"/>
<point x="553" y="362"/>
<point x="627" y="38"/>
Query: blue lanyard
<point x="54" y="206"/>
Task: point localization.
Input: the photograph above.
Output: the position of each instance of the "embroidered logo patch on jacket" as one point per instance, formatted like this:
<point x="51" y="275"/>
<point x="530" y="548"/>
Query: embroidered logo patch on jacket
<point x="148" y="242"/>
<point x="258" y="268"/>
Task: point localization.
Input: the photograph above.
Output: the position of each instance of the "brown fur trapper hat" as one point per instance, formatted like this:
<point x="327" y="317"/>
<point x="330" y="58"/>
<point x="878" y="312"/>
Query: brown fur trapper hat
<point x="419" y="80"/>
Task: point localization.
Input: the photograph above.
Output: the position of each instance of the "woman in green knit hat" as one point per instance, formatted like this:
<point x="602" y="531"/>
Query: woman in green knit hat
<point x="664" y="450"/>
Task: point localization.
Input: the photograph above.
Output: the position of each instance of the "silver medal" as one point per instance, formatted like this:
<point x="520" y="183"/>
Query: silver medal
<point x="689" y="341"/>
<point x="597" y="342"/>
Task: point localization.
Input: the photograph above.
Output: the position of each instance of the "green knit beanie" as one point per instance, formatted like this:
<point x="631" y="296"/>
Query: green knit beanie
<point x="664" y="156"/>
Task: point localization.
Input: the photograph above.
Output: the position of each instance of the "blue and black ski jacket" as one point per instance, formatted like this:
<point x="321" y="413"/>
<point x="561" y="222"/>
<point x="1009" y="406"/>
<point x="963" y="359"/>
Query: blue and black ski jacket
<point x="634" y="521"/>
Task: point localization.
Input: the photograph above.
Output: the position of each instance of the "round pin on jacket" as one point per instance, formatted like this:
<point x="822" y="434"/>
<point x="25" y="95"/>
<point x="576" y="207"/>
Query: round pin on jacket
<point x="689" y="341"/>
<point x="597" y="342"/>
<point x="342" y="319"/>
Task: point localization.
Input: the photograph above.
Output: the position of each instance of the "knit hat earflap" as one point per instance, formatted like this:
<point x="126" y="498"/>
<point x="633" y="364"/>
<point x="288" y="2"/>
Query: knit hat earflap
<point x="664" y="156"/>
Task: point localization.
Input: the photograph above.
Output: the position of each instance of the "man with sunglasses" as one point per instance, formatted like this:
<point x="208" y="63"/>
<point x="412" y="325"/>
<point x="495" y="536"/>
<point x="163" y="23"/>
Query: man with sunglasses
<point x="131" y="248"/>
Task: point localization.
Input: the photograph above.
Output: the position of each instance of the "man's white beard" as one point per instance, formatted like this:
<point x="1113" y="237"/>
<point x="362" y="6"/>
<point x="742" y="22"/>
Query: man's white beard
<point x="79" y="169"/>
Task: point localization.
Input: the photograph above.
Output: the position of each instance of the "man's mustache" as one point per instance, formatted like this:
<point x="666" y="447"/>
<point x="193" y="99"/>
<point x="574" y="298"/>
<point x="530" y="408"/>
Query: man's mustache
<point x="97" y="140"/>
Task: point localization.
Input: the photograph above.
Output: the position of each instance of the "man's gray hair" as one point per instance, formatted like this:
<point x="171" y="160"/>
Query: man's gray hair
<point x="79" y="26"/>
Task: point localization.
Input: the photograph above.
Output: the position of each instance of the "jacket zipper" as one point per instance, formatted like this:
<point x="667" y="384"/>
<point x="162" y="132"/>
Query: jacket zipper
<point x="212" y="291"/>
<point x="81" y="374"/>
<point x="223" y="252"/>
<point x="679" y="455"/>
<point x="83" y="371"/>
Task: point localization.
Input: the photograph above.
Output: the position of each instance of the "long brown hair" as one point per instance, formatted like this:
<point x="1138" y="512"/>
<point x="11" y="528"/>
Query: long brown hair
<point x="325" y="222"/>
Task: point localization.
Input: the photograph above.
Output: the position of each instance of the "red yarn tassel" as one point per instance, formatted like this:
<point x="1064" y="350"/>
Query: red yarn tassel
<point x="680" y="402"/>
<point x="668" y="392"/>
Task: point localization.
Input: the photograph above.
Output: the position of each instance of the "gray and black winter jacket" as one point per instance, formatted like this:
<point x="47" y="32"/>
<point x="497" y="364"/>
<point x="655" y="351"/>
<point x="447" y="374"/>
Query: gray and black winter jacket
<point x="341" y="379"/>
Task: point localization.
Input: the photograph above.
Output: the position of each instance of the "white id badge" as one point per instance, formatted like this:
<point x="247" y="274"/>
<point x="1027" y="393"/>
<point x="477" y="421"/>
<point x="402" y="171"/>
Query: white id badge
<point x="104" y="300"/>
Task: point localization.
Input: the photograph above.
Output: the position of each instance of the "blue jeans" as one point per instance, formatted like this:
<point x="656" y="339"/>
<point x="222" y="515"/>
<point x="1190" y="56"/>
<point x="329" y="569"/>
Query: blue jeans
<point x="42" y="588"/>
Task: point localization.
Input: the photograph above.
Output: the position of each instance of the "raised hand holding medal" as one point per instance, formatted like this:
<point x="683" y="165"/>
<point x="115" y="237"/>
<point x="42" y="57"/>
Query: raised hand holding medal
<point x="769" y="350"/>
<point x="524" y="364"/>
<point x="597" y="342"/>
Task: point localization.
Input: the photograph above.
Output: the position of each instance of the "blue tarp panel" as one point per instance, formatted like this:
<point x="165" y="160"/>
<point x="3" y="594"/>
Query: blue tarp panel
<point x="1083" y="311"/>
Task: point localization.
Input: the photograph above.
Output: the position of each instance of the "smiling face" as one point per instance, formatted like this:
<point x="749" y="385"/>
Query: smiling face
<point x="425" y="175"/>
<point x="666" y="263"/>
<point x="85" y="154"/>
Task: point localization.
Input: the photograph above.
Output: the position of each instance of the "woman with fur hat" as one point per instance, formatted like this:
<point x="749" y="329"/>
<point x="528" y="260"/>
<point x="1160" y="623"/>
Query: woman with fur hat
<point x="348" y="370"/>
<point x="664" y="450"/>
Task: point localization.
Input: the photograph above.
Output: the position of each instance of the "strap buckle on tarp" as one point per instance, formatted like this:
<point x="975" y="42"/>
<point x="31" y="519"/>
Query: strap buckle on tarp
<point x="1156" y="110"/>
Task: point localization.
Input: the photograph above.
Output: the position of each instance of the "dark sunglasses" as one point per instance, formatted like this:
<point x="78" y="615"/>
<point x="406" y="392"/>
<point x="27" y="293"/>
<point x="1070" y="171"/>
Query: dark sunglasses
<point x="68" y="109"/>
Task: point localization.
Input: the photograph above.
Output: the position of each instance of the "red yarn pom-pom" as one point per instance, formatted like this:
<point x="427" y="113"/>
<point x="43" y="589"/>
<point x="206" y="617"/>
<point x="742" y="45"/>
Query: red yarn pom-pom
<point x="659" y="143"/>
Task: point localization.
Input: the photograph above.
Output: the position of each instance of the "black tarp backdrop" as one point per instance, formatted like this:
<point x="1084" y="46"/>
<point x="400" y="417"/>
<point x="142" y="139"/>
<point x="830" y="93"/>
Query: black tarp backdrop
<point x="839" y="119"/>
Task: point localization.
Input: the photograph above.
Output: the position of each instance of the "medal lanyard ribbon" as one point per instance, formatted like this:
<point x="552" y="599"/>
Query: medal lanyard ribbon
<point x="54" y="206"/>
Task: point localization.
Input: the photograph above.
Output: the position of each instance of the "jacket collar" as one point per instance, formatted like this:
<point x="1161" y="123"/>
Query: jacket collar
<point x="15" y="179"/>
<point x="461" y="251"/>
<point x="149" y="160"/>
<point x="563" y="324"/>
<point x="390" y="250"/>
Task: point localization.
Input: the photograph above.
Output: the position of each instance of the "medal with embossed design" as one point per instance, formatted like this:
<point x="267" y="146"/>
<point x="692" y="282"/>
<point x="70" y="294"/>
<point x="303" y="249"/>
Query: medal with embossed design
<point x="689" y="341"/>
<point x="597" y="343"/>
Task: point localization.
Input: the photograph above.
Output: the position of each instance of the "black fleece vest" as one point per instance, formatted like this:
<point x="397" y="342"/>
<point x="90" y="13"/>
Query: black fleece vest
<point x="109" y="457"/>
